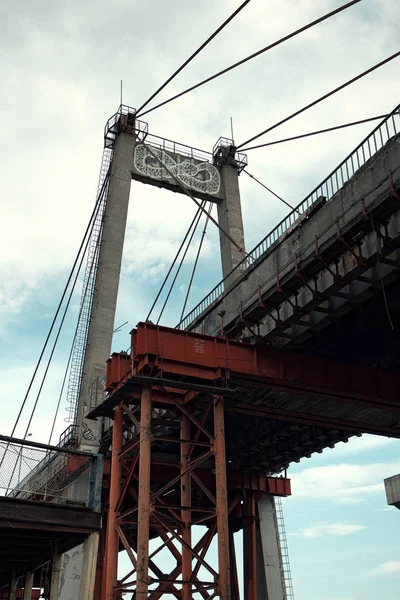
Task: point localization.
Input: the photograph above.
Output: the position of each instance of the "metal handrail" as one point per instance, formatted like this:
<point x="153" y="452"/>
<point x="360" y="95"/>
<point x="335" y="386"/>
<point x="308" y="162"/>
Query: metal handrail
<point x="376" y="140"/>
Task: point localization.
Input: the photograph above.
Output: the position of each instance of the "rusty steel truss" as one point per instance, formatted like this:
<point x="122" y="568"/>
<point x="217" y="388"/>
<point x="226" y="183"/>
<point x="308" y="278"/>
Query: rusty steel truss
<point x="179" y="403"/>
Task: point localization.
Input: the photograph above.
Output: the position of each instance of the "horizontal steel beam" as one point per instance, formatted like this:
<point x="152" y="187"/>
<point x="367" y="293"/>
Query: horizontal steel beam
<point x="315" y="419"/>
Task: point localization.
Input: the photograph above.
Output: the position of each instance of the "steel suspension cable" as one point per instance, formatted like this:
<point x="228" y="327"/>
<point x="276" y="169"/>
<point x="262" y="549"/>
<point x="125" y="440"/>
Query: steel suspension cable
<point x="97" y="204"/>
<point x="71" y="352"/>
<point x="173" y="262"/>
<point x="53" y="348"/>
<point x="304" y="135"/>
<point x="203" y="45"/>
<point x="179" y="267"/>
<point x="270" y="191"/>
<point x="324" y="97"/>
<point x="196" y="261"/>
<point x="250" y="57"/>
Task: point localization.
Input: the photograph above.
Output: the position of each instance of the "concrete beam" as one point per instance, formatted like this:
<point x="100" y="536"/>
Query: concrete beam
<point x="13" y="586"/>
<point x="88" y="576"/>
<point x="392" y="488"/>
<point x="55" y="576"/>
<point x="28" y="585"/>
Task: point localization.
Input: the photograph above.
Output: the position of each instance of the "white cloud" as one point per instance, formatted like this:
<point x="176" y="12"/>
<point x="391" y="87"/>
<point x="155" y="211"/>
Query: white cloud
<point x="319" y="529"/>
<point x="391" y="567"/>
<point x="363" y="444"/>
<point x="52" y="54"/>
<point x="344" y="483"/>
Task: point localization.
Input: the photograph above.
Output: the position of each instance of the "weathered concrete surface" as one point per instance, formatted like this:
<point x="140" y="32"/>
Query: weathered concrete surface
<point x="71" y="573"/>
<point x="370" y="184"/>
<point x="230" y="219"/>
<point x="270" y="575"/>
<point x="392" y="488"/>
<point x="106" y="287"/>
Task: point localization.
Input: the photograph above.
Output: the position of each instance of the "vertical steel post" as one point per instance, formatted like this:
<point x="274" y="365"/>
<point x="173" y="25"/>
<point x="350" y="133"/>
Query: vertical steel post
<point x="143" y="533"/>
<point x="222" y="499"/>
<point x="111" y="555"/>
<point x="249" y="547"/>
<point x="186" y="497"/>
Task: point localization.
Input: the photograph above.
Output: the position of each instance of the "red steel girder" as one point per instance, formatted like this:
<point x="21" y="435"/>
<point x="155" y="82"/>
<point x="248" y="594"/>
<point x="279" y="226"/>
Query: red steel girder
<point x="193" y="356"/>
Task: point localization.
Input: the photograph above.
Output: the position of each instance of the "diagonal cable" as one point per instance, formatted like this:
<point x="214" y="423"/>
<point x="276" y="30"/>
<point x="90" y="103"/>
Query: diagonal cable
<point x="61" y="301"/>
<point x="203" y="45"/>
<point x="251" y="56"/>
<point x="301" y="110"/>
<point x="179" y="267"/>
<point x="304" y="135"/>
<point x="174" y="261"/>
<point x="196" y="261"/>
<point x="270" y="191"/>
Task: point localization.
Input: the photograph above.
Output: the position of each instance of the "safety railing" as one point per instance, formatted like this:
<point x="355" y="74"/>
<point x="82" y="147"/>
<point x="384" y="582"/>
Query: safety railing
<point x="37" y="472"/>
<point x="374" y="142"/>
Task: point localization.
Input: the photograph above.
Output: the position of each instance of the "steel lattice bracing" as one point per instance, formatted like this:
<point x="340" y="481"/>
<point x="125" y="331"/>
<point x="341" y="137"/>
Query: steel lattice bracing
<point x="182" y="421"/>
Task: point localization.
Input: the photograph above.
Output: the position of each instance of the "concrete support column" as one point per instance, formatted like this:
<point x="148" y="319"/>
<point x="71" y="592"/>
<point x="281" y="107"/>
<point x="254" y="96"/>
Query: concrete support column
<point x="270" y="576"/>
<point x="106" y="287"/>
<point x="28" y="585"/>
<point x="13" y="586"/>
<point x="230" y="219"/>
<point x="55" y="576"/>
<point x="88" y="576"/>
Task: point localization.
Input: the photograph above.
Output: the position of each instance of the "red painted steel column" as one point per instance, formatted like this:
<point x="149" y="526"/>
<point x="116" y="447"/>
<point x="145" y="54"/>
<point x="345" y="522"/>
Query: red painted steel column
<point x="186" y="498"/>
<point x="112" y="542"/>
<point x="143" y="532"/>
<point x="249" y="547"/>
<point x="222" y="500"/>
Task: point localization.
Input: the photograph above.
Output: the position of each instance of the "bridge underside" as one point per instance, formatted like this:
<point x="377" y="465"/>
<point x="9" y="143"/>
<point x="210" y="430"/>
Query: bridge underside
<point x="32" y="532"/>
<point x="279" y="406"/>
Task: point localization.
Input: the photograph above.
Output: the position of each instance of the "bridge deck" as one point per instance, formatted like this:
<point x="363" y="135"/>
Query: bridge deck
<point x="320" y="269"/>
<point x="29" y="532"/>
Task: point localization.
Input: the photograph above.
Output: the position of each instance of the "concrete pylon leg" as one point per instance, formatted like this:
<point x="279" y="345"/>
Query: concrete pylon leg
<point x="88" y="576"/>
<point x="28" y="585"/>
<point x="104" y="303"/>
<point x="270" y="575"/>
<point x="13" y="586"/>
<point x="55" y="576"/>
<point x="230" y="219"/>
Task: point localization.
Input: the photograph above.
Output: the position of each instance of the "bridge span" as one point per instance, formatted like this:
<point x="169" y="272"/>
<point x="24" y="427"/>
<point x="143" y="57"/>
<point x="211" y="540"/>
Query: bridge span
<point x="295" y="350"/>
<point x="325" y="281"/>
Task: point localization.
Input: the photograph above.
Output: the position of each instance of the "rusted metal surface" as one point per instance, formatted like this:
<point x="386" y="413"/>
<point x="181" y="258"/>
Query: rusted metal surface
<point x="111" y="556"/>
<point x="174" y="475"/>
<point x="144" y="494"/>
<point x="249" y="547"/>
<point x="186" y="499"/>
<point x="222" y="500"/>
<point x="174" y="468"/>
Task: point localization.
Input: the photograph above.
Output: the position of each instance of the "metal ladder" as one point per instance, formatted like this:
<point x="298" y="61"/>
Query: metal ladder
<point x="78" y="354"/>
<point x="284" y="548"/>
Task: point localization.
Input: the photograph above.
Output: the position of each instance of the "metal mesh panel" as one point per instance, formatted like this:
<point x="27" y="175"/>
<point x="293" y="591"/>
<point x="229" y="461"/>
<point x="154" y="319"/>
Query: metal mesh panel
<point x="44" y="474"/>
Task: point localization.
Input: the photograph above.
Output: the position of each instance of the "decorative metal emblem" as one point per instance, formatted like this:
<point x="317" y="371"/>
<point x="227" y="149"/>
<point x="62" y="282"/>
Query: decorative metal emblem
<point x="199" y="176"/>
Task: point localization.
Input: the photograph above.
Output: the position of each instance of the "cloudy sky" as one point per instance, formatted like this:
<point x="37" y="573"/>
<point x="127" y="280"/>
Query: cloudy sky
<point x="61" y="65"/>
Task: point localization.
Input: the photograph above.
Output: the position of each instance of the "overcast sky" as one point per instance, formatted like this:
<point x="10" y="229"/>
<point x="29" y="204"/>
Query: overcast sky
<point x="61" y="64"/>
